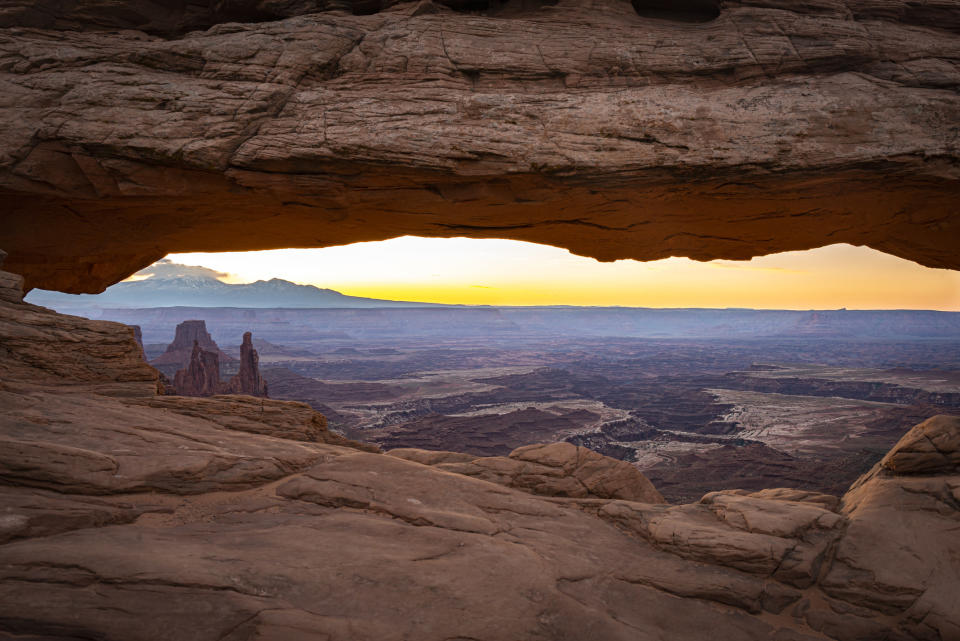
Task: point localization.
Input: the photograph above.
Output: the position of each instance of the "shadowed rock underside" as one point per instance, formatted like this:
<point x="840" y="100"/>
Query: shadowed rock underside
<point x="643" y="130"/>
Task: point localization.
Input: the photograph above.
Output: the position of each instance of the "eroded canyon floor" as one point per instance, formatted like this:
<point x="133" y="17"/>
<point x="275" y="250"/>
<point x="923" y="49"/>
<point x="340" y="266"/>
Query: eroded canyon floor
<point x="699" y="400"/>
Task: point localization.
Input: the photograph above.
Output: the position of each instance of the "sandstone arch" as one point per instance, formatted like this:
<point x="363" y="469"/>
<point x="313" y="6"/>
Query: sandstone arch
<point x="581" y="124"/>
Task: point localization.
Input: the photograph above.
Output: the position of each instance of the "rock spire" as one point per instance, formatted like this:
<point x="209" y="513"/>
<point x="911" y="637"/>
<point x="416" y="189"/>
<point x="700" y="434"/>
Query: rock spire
<point x="180" y="351"/>
<point x="201" y="377"/>
<point x="248" y="380"/>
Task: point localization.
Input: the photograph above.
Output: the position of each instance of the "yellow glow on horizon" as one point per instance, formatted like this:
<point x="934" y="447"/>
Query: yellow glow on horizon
<point x="504" y="272"/>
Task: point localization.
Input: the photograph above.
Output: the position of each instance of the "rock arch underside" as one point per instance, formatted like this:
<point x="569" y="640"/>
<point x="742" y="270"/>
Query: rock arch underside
<point x="696" y="128"/>
<point x="644" y="129"/>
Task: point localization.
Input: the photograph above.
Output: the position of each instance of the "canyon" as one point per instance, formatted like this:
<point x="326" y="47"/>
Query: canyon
<point x="643" y="129"/>
<point x="698" y="399"/>
<point x="131" y="515"/>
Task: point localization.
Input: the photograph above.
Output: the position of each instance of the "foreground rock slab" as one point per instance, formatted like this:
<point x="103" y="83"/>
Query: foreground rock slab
<point x="557" y="469"/>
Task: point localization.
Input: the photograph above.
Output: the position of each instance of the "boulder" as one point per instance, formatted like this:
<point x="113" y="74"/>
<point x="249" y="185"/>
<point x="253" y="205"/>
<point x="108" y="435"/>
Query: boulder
<point x="933" y="447"/>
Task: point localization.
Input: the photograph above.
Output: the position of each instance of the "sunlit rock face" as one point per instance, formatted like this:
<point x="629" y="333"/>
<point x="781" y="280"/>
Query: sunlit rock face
<point x="699" y="128"/>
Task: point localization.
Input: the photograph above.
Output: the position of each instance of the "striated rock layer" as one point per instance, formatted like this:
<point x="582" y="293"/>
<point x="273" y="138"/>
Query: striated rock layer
<point x="127" y="515"/>
<point x="557" y="469"/>
<point x="39" y="346"/>
<point x="615" y="129"/>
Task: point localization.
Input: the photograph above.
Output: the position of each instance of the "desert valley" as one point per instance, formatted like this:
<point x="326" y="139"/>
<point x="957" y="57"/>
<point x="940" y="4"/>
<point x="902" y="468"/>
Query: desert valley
<point x="698" y="400"/>
<point x="707" y="385"/>
<point x="711" y="486"/>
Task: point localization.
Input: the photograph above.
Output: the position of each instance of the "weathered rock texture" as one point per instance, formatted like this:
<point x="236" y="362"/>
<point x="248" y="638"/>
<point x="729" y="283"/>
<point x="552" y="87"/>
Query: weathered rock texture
<point x="39" y="346"/>
<point x="615" y="129"/>
<point x="557" y="469"/>
<point x="248" y="380"/>
<point x="126" y="515"/>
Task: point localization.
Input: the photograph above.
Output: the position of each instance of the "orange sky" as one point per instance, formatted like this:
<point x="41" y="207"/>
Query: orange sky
<point x="504" y="272"/>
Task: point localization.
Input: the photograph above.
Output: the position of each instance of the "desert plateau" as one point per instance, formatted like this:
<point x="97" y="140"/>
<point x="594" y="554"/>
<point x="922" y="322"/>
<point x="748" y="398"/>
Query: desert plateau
<point x="765" y="447"/>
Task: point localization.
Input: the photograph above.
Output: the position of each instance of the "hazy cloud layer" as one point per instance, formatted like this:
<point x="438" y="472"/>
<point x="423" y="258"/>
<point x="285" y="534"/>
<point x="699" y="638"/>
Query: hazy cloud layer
<point x="166" y="268"/>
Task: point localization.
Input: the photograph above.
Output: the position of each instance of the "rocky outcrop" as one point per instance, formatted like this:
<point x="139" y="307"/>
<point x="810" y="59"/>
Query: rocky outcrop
<point x="81" y="416"/>
<point x="11" y="285"/>
<point x="179" y="353"/>
<point x="248" y="380"/>
<point x="933" y="447"/>
<point x="281" y="419"/>
<point x="615" y="129"/>
<point x="556" y="469"/>
<point x="903" y="510"/>
<point x="126" y="515"/>
<point x="201" y="376"/>
<point x="39" y="346"/>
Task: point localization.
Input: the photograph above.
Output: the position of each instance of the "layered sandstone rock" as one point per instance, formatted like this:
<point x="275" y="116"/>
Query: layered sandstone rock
<point x="556" y="469"/>
<point x="39" y="346"/>
<point x="614" y="129"/>
<point x="134" y="516"/>
<point x="904" y="509"/>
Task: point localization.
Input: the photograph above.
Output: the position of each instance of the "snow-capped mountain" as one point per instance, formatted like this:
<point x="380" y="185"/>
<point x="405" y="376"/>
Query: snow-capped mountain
<point x="199" y="291"/>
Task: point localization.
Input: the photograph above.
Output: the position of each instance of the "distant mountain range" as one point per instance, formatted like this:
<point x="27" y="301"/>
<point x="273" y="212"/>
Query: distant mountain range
<point x="198" y="291"/>
<point x="280" y="311"/>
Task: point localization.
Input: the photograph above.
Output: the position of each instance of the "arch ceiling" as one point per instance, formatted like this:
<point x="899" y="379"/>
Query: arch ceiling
<point x="614" y="129"/>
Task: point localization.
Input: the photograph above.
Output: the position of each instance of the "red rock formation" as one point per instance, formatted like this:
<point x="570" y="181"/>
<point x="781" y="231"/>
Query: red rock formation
<point x="137" y="335"/>
<point x="180" y="351"/>
<point x="11" y="285"/>
<point x="201" y="377"/>
<point x="248" y="379"/>
<point x="39" y="346"/>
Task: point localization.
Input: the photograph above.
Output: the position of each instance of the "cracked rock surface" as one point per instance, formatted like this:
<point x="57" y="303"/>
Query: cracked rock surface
<point x="126" y="515"/>
<point x="614" y="129"/>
